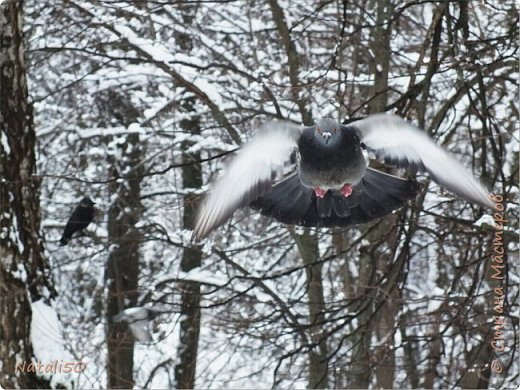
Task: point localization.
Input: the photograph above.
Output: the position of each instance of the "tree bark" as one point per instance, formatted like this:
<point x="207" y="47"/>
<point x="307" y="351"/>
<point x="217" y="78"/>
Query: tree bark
<point x="191" y="258"/>
<point x="122" y="270"/>
<point x="370" y="258"/>
<point x="293" y="61"/>
<point x="185" y="369"/>
<point x="24" y="270"/>
<point x="318" y="353"/>
<point x="382" y="52"/>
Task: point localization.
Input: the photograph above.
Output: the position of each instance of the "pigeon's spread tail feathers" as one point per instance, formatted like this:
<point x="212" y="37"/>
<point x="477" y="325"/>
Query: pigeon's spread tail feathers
<point x="376" y="195"/>
<point x="288" y="201"/>
<point x="382" y="193"/>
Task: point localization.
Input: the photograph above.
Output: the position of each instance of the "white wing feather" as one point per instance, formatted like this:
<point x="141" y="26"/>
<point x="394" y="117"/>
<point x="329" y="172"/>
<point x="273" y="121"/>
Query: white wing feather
<point x="138" y="319"/>
<point x="141" y="330"/>
<point x="248" y="176"/>
<point x="392" y="137"/>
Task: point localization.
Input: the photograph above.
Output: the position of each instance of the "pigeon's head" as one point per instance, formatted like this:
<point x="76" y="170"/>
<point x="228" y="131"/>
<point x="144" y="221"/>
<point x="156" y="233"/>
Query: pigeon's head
<point x="86" y="202"/>
<point x="327" y="130"/>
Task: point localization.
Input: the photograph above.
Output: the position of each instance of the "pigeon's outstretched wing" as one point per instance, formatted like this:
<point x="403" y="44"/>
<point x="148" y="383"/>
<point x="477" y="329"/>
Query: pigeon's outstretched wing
<point x="138" y="319"/>
<point x="249" y="175"/>
<point x="403" y="145"/>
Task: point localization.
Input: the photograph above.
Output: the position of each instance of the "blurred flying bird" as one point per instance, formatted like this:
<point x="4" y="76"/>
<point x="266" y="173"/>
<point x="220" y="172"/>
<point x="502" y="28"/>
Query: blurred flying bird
<point x="139" y="321"/>
<point x="82" y="215"/>
<point x="333" y="185"/>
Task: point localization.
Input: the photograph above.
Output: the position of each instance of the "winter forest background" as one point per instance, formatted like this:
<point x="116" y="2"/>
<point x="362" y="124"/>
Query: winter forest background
<point x="139" y="104"/>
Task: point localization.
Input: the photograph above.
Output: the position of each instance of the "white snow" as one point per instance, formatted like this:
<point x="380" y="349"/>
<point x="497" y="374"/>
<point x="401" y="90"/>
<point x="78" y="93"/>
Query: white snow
<point x="48" y="342"/>
<point x="486" y="219"/>
<point x="5" y="142"/>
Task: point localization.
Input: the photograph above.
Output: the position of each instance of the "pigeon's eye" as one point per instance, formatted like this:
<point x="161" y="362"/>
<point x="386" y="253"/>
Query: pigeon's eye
<point x="334" y="130"/>
<point x="318" y="129"/>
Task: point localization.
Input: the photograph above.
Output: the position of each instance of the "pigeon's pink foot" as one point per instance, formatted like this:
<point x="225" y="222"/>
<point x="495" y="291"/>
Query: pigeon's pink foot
<point x="320" y="192"/>
<point x="346" y="190"/>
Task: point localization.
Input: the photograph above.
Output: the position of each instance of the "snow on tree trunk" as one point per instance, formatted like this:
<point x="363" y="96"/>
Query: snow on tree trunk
<point x="185" y="368"/>
<point x="24" y="271"/>
<point x="122" y="270"/>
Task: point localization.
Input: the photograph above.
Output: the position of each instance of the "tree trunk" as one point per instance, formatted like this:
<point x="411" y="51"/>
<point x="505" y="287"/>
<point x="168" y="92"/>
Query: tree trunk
<point x="370" y="258"/>
<point x="382" y="52"/>
<point x="318" y="354"/>
<point x="360" y="367"/>
<point x="191" y="258"/>
<point x="24" y="271"/>
<point x="308" y="242"/>
<point x="434" y="357"/>
<point x="293" y="60"/>
<point x="122" y="270"/>
<point x="478" y="362"/>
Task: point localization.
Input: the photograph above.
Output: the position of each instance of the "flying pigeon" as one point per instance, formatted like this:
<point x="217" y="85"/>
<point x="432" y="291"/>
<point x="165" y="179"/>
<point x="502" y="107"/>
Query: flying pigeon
<point x="333" y="185"/>
<point x="138" y="319"/>
<point x="82" y="215"/>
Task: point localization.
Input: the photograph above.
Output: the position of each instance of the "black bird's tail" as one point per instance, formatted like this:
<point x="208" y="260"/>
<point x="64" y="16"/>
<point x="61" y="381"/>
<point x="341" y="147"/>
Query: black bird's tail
<point x="378" y="194"/>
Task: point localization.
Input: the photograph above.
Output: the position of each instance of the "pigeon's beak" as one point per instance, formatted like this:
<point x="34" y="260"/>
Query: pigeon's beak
<point x="326" y="136"/>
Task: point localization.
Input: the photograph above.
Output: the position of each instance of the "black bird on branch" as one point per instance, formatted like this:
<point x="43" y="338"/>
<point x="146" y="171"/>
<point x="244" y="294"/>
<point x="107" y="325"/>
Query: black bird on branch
<point x="81" y="217"/>
<point x="333" y="185"/>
